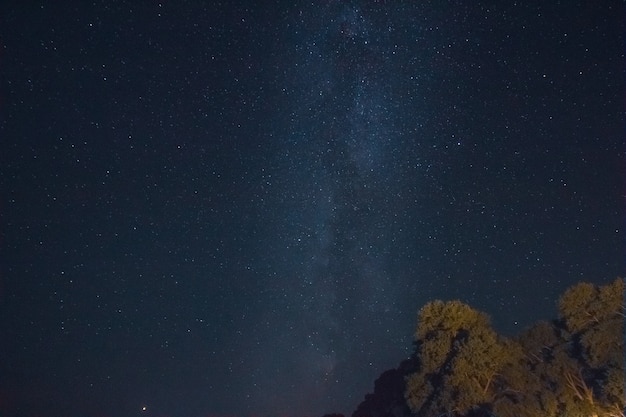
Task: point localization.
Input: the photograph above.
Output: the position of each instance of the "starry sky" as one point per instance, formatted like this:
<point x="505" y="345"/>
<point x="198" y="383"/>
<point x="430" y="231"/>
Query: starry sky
<point x="236" y="209"/>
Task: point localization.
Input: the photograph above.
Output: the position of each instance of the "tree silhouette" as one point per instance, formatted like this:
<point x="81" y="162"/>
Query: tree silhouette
<point x="387" y="400"/>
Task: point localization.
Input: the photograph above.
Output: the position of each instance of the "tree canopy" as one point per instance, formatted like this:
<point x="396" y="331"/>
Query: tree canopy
<point x="460" y="358"/>
<point x="571" y="366"/>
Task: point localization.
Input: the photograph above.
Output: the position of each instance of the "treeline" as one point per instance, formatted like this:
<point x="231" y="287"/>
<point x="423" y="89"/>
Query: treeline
<point x="571" y="366"/>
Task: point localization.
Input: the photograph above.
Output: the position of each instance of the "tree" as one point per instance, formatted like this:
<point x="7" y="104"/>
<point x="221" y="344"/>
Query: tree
<point x="387" y="400"/>
<point x="594" y="316"/>
<point x="571" y="366"/>
<point x="529" y="376"/>
<point x="460" y="360"/>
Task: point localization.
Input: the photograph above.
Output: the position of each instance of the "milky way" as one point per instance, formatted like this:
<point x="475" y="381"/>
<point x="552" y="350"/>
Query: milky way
<point x="334" y="172"/>
<point x="237" y="209"/>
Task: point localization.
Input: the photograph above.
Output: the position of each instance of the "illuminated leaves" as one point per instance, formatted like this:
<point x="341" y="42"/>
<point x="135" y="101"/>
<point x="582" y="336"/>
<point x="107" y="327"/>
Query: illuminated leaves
<point x="585" y="305"/>
<point x="448" y="317"/>
<point x="573" y="366"/>
<point x="458" y="350"/>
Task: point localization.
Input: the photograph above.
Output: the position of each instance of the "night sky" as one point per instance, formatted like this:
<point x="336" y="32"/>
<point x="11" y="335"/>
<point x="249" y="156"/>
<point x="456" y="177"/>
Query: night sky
<point x="237" y="208"/>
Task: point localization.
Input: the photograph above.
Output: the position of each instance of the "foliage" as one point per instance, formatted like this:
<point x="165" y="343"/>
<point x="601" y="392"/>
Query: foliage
<point x="461" y="359"/>
<point x="594" y="316"/>
<point x="571" y="366"/>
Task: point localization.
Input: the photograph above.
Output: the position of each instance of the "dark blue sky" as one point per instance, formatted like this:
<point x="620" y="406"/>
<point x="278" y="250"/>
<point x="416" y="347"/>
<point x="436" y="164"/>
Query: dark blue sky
<point x="236" y="209"/>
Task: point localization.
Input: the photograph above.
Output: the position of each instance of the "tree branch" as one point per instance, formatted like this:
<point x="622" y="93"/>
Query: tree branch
<point x="577" y="383"/>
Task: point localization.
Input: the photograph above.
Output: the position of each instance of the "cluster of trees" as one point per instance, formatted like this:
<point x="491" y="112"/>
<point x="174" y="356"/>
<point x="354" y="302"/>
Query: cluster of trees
<point x="572" y="366"/>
